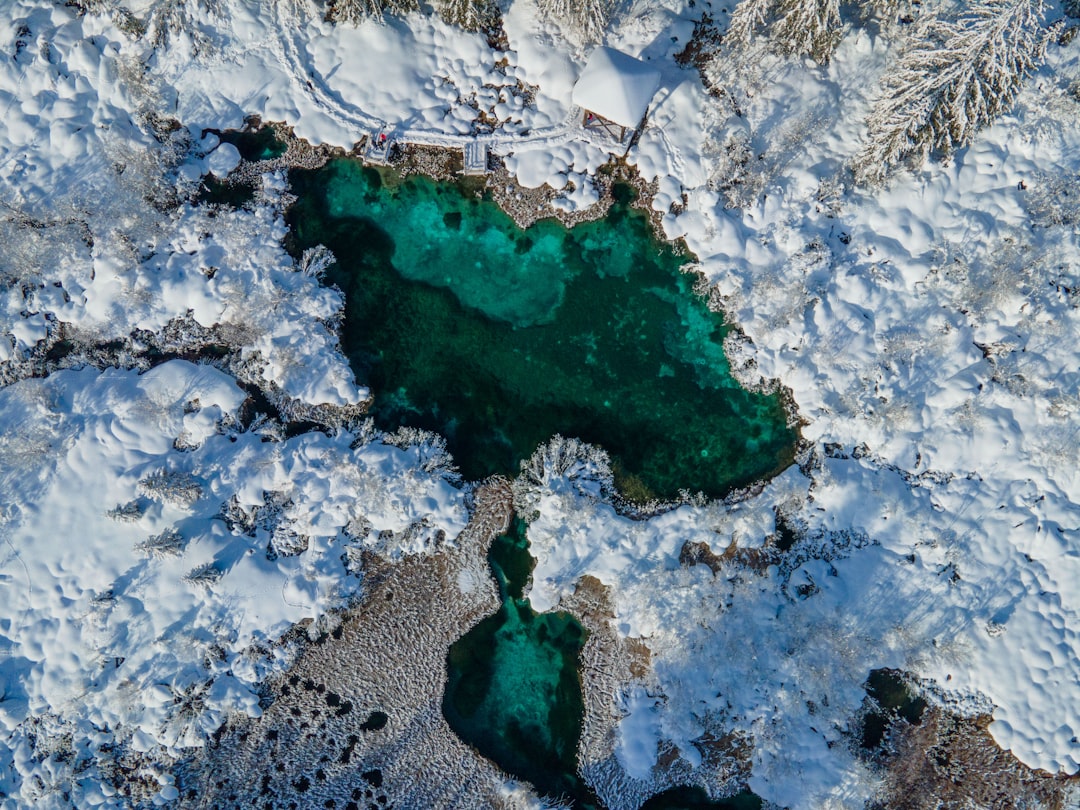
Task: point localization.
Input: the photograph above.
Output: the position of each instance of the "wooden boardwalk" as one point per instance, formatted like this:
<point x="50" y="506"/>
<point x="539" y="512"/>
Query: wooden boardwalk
<point x="476" y="157"/>
<point x="377" y="149"/>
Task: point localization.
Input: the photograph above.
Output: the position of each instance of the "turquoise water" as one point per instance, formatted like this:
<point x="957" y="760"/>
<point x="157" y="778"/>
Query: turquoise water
<point x="498" y="338"/>
<point x="514" y="691"/>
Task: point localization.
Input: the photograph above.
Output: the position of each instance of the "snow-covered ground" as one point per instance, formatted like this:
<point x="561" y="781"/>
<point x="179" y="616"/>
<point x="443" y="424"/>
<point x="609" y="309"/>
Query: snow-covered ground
<point x="927" y="331"/>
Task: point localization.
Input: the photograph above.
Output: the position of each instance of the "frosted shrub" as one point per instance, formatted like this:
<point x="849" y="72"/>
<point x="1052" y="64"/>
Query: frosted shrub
<point x="733" y="172"/>
<point x="430" y="447"/>
<point x="190" y="719"/>
<point x="1053" y="199"/>
<point x="582" y="466"/>
<point x="569" y="458"/>
<point x="127" y="512"/>
<point x="472" y="15"/>
<point x="356" y="11"/>
<point x="170" y="19"/>
<point x="887" y="11"/>
<point x="956" y="77"/>
<point x="315" y="261"/>
<point x="285" y="542"/>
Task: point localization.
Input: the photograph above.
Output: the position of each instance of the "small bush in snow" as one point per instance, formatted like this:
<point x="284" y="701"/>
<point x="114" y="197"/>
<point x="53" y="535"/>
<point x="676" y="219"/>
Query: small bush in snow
<point x="356" y="11"/>
<point x="127" y="512"/>
<point x="472" y="15"/>
<point x="585" y="19"/>
<point x="190" y="719"/>
<point x="285" y="542"/>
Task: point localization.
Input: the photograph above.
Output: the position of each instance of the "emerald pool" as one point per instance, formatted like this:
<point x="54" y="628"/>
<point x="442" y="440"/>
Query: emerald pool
<point x="497" y="337"/>
<point x="513" y="689"/>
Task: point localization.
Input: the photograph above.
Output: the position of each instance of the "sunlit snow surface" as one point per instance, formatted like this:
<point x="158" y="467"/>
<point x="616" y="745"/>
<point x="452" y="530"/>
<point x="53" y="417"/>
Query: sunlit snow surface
<point x="100" y="630"/>
<point x="934" y="322"/>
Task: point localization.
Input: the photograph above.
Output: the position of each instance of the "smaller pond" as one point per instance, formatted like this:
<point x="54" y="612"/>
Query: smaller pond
<point x="514" y="690"/>
<point x="255" y="145"/>
<point x="889" y="697"/>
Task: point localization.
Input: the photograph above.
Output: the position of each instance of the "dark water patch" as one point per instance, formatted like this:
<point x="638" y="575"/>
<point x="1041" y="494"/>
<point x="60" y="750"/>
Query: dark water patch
<point x="254" y="145"/>
<point x="514" y="688"/>
<point x="511" y="560"/>
<point x="787" y="534"/>
<point x="498" y="338"/>
<point x="223" y="192"/>
<point x="889" y="698"/>
<point x="374" y="722"/>
<point x="372" y="777"/>
<point x="692" y="798"/>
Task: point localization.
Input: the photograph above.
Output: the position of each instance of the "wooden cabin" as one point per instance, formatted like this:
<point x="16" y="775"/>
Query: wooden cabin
<point x="614" y="91"/>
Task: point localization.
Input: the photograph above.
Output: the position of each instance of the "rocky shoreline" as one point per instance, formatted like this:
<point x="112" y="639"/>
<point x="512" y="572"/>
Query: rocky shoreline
<point x="524" y="205"/>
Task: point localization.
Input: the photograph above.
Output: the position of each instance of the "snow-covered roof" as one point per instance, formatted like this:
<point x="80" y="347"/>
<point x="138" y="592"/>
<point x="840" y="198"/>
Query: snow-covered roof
<point x="616" y="86"/>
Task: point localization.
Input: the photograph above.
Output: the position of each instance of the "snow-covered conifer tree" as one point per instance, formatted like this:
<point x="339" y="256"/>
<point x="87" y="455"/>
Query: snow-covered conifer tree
<point x="169" y="543"/>
<point x="585" y="18"/>
<point x="203" y="576"/>
<point x="177" y="488"/>
<point x="885" y="10"/>
<point x="356" y="11"/>
<point x="795" y="27"/>
<point x="472" y="15"/>
<point x="957" y="76"/>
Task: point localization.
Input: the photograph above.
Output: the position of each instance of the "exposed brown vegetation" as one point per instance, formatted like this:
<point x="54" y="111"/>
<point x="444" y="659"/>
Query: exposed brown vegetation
<point x="952" y="763"/>
<point x="704" y="43"/>
<point x="430" y="161"/>
<point x="640" y="657"/>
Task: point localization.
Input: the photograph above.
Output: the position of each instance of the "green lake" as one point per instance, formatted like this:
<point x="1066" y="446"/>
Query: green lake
<point x="497" y="337"/>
